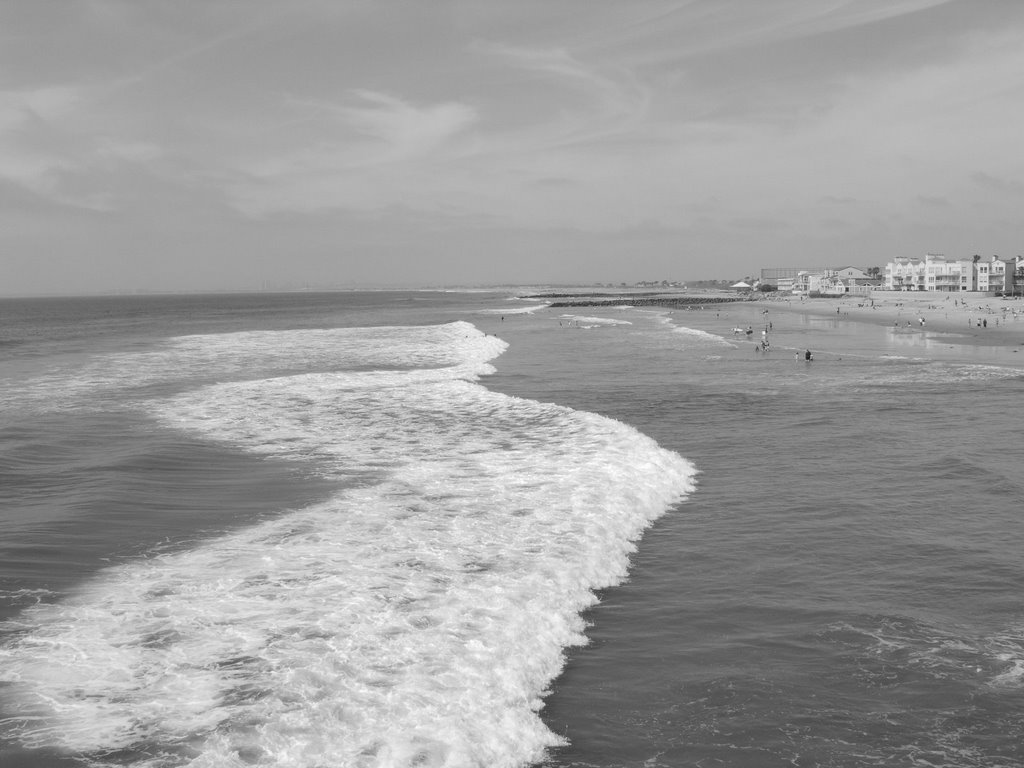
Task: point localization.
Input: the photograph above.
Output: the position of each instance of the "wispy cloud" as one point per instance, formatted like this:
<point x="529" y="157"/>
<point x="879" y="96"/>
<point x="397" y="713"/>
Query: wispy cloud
<point x="45" y="103"/>
<point x="31" y="153"/>
<point x="405" y="130"/>
<point x="376" y="150"/>
<point x="590" y="101"/>
<point x="798" y="18"/>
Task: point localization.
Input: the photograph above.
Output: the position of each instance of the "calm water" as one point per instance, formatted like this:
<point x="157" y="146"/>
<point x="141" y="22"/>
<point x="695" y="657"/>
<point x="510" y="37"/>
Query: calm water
<point x="366" y="529"/>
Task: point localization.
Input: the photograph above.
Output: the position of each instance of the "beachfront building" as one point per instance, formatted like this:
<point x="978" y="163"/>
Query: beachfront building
<point x="805" y="281"/>
<point x="905" y="274"/>
<point x="856" y="281"/>
<point x="783" y="278"/>
<point x="948" y="275"/>
<point x="1017" y="278"/>
<point x="830" y="284"/>
<point x="937" y="273"/>
<point x="824" y="283"/>
<point x="827" y="281"/>
<point x="932" y="273"/>
<point x="995" y="275"/>
<point x="852" y="275"/>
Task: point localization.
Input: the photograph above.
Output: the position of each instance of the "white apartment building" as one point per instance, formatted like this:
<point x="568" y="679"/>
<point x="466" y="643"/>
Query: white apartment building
<point x="932" y="273"/>
<point x="937" y="273"/>
<point x="905" y="274"/>
<point x="807" y="282"/>
<point x="992" y="275"/>
<point x="949" y="275"/>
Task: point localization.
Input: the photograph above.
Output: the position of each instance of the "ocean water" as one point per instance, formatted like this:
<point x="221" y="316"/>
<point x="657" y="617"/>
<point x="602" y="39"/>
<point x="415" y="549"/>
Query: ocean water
<point x="438" y="529"/>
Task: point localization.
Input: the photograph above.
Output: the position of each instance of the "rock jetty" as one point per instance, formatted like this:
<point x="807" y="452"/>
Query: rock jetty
<point x="638" y="301"/>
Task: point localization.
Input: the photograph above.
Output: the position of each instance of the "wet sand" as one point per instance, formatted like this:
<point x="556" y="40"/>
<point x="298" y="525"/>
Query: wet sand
<point x="964" y="319"/>
<point x="971" y="318"/>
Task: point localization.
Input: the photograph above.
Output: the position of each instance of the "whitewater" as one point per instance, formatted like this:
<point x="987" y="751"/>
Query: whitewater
<point x="417" y="616"/>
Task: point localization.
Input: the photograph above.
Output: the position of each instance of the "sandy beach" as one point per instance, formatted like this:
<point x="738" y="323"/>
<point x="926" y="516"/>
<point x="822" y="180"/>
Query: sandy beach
<point x="972" y="318"/>
<point x="964" y="318"/>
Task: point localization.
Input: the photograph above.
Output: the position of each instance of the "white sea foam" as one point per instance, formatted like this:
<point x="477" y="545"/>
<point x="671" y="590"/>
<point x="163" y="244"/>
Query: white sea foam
<point x="1008" y="649"/>
<point x="1013" y="675"/>
<point x="924" y="372"/>
<point x="584" y="321"/>
<point x="703" y="336"/>
<point x="414" y="619"/>
<point x="260" y="354"/>
<point x="903" y="644"/>
<point x="515" y="310"/>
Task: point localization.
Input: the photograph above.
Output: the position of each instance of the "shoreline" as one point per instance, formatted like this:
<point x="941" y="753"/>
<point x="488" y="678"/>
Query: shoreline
<point x="963" y="318"/>
<point x="960" y="319"/>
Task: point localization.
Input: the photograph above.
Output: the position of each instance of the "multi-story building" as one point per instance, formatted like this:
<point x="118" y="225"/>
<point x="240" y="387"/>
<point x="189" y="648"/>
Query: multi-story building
<point x="807" y="281"/>
<point x="856" y="281"/>
<point x="949" y="275"/>
<point x="905" y="274"/>
<point x="932" y="273"/>
<point x="825" y="282"/>
<point x="937" y="273"/>
<point x="829" y="280"/>
<point x="1017" y="278"/>
<point x="783" y="277"/>
<point x="995" y="275"/>
<point x="851" y="274"/>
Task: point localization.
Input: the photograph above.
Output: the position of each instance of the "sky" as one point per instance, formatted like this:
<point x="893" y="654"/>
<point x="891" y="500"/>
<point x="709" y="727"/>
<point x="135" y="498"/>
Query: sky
<point x="242" y="144"/>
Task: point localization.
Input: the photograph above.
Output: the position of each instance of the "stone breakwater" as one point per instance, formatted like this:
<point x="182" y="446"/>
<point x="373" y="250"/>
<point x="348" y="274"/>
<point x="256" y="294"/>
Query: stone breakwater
<point x="680" y="301"/>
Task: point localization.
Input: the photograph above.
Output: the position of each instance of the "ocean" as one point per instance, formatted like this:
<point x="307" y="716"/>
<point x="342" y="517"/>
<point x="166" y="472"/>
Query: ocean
<point x="465" y="529"/>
